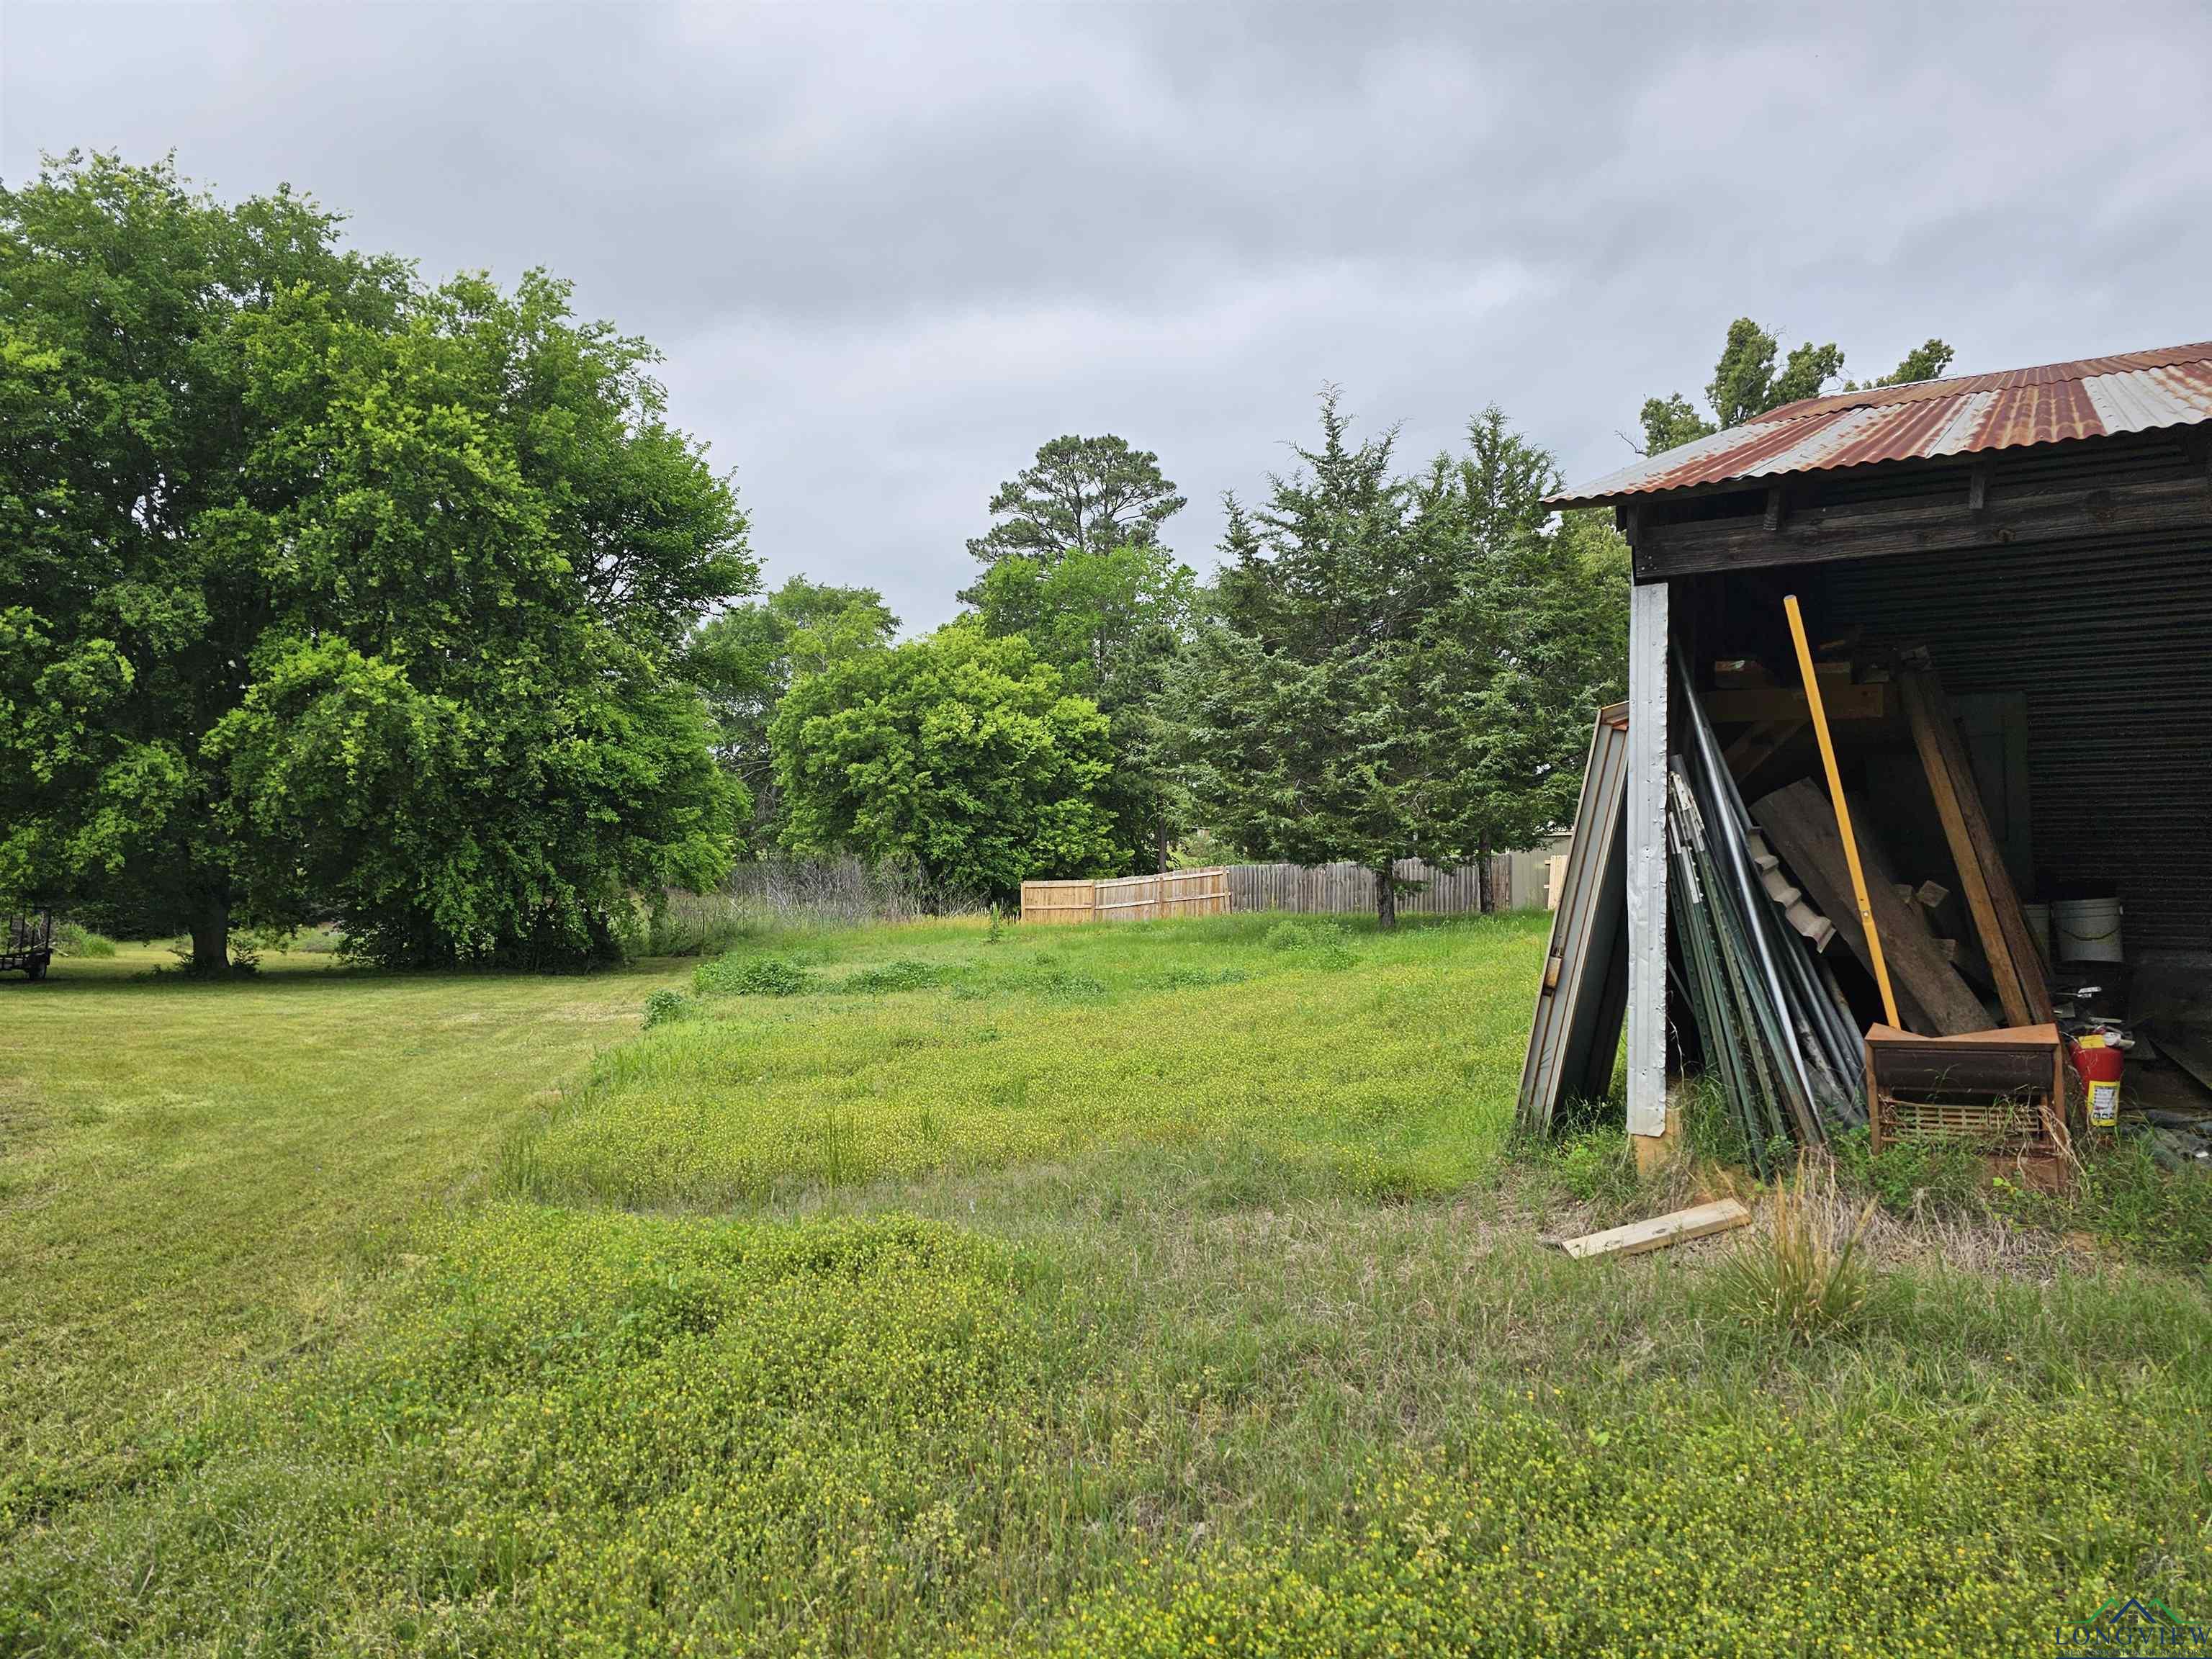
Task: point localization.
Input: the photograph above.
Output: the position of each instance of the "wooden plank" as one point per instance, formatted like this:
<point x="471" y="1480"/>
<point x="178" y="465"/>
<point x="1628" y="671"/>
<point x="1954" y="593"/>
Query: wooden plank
<point x="2014" y="968"/>
<point x="1802" y="826"/>
<point x="1877" y="530"/>
<point x="1701" y="1221"/>
<point x="1840" y="702"/>
<point x="2005" y="973"/>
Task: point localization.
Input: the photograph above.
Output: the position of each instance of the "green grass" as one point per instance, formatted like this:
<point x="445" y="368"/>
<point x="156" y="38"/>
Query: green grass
<point x="1157" y="1290"/>
<point x="844" y="1058"/>
<point x="196" y="1180"/>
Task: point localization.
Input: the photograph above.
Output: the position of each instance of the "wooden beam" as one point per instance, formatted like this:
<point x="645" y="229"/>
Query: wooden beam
<point x="1762" y="705"/>
<point x="1801" y="825"/>
<point x="1873" y="530"/>
<point x="1777" y="505"/>
<point x="1678" y="1228"/>
<point x="2015" y="969"/>
<point x="1977" y="488"/>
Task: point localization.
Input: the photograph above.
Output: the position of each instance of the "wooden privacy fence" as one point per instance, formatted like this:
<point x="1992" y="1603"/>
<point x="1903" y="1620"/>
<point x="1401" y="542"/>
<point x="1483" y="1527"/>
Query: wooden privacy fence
<point x="1319" y="888"/>
<point x="1517" y="879"/>
<point x="1129" y="898"/>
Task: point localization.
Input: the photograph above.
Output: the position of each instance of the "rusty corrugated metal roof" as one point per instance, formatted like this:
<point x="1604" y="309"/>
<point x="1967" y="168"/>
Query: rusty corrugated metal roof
<point x="2094" y="398"/>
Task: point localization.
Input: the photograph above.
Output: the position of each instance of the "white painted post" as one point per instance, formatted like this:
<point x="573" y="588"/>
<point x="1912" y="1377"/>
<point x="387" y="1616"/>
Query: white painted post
<point x="1647" y="859"/>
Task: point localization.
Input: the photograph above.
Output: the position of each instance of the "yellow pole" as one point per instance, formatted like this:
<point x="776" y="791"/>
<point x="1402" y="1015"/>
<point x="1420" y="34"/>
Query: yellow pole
<point x="1842" y="811"/>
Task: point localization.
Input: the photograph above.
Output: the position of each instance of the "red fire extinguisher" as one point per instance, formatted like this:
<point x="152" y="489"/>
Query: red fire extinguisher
<point x="2098" y="1061"/>
<point x="2097" y="1047"/>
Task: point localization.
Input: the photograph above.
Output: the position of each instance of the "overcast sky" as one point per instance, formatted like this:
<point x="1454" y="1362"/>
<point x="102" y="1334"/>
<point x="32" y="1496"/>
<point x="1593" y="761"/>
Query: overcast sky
<point x="890" y="251"/>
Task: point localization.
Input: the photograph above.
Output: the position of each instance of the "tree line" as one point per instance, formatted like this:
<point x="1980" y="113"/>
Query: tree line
<point x="329" y="592"/>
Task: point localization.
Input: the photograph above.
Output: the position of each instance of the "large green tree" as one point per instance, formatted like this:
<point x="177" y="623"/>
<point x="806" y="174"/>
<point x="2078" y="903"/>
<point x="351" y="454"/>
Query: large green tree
<point x="323" y="592"/>
<point x="1533" y="639"/>
<point x="1113" y="623"/>
<point x="1078" y="495"/>
<point x="1747" y="382"/>
<point x="1399" y="666"/>
<point x="959" y="754"/>
<point x="747" y="657"/>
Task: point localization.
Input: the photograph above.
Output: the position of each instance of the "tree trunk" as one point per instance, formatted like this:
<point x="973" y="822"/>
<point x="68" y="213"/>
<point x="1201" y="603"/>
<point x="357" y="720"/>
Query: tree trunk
<point x="1386" y="900"/>
<point x="1163" y="828"/>
<point x="1485" y="885"/>
<point x="212" y="934"/>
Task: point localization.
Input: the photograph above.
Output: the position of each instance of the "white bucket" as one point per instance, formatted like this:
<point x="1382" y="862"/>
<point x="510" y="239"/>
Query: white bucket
<point x="2088" y="929"/>
<point x="2039" y="926"/>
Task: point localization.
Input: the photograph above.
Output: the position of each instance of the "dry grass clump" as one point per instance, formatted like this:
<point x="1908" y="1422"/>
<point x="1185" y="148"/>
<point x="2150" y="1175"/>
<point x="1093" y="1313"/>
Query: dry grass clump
<point x="1802" y="1277"/>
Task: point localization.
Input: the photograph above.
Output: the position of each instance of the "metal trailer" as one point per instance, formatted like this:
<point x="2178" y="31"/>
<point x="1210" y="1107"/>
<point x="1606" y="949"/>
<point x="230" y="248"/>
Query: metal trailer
<point x="27" y="940"/>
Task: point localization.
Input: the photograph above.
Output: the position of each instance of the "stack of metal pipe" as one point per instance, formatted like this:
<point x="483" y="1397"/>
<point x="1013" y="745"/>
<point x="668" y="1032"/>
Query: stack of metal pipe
<point x="1771" y="1022"/>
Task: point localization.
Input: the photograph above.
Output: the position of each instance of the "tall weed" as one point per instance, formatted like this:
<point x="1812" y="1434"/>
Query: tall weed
<point x="1803" y="1278"/>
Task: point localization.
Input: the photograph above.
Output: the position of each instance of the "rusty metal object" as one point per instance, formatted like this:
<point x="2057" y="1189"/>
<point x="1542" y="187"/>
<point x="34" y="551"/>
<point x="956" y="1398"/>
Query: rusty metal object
<point x="2094" y="398"/>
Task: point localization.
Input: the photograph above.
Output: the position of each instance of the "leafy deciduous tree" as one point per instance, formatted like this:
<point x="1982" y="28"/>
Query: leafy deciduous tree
<point x="1745" y="384"/>
<point x="132" y="589"/>
<point x="322" y="591"/>
<point x="746" y="658"/>
<point x="1112" y="623"/>
<point x="960" y="754"/>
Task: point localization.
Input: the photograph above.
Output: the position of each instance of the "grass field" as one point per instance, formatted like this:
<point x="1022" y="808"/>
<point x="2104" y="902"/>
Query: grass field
<point x="1154" y="1290"/>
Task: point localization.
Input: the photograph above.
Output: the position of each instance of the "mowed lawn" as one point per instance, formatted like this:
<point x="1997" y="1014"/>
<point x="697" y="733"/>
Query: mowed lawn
<point x="1166" y="1289"/>
<point x="196" y="1179"/>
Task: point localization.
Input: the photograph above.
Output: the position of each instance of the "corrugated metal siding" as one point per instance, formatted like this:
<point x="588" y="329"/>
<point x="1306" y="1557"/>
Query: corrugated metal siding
<point x="2113" y="650"/>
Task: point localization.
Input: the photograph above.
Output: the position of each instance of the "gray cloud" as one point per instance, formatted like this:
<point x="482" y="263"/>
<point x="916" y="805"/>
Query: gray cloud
<point x="888" y="251"/>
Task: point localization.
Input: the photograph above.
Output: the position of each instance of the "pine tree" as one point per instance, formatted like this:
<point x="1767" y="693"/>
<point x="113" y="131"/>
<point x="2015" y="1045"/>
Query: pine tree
<point x="1400" y="668"/>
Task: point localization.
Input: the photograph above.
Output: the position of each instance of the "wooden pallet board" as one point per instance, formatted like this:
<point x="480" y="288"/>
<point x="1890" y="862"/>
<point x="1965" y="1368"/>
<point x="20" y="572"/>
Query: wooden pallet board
<point x="1678" y="1227"/>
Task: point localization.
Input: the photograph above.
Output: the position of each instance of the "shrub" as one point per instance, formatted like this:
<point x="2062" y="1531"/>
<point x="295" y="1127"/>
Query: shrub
<point x="74" y="939"/>
<point x="666" y="1004"/>
<point x="752" y="976"/>
<point x="902" y="975"/>
<point x="1803" y="1279"/>
<point x="696" y="924"/>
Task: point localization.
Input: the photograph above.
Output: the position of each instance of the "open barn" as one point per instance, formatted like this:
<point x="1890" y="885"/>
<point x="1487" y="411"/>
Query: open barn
<point x="2003" y="584"/>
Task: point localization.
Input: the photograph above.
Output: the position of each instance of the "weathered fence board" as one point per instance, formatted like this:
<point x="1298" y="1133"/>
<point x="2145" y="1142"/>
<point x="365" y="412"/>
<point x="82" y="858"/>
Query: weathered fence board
<point x="1053" y="902"/>
<point x="1517" y="879"/>
<point x="1129" y="898"/>
<point x="1346" y="888"/>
